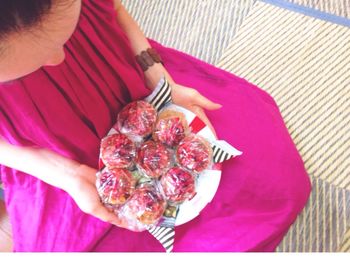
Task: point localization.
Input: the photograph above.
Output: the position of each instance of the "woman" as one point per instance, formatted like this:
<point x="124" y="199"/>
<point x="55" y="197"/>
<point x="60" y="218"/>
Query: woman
<point x="66" y="68"/>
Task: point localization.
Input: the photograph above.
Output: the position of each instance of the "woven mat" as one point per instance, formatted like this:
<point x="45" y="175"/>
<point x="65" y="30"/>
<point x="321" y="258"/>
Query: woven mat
<point x="345" y="245"/>
<point x="304" y="64"/>
<point x="202" y="28"/>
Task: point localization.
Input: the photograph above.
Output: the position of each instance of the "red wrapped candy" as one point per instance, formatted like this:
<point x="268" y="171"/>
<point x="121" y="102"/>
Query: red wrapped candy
<point x="144" y="208"/>
<point x="117" y="151"/>
<point x="171" y="127"/>
<point x="178" y="185"/>
<point x="115" y="186"/>
<point x="153" y="159"/>
<point x="137" y="119"/>
<point x="194" y="153"/>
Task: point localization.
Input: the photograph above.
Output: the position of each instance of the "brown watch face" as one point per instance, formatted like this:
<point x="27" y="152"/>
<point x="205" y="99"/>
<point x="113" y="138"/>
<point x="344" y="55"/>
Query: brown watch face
<point x="147" y="58"/>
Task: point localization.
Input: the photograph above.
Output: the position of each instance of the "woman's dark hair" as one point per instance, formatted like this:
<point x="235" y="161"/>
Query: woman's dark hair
<point x="16" y="15"/>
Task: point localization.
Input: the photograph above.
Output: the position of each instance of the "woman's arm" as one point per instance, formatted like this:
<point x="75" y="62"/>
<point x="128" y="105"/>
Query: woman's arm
<point x="140" y="43"/>
<point x="186" y="97"/>
<point x="43" y="164"/>
<point x="76" y="179"/>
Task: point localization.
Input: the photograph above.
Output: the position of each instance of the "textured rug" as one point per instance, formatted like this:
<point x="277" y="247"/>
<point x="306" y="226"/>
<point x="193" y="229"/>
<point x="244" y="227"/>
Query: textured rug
<point x="304" y="63"/>
<point x="345" y="246"/>
<point x="202" y="28"/>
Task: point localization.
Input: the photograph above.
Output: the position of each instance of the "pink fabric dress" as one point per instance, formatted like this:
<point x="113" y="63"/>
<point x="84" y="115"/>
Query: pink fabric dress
<point x="70" y="107"/>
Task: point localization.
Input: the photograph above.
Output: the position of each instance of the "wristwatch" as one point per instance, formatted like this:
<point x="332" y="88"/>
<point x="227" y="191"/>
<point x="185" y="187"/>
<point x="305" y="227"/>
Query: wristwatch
<point x="147" y="58"/>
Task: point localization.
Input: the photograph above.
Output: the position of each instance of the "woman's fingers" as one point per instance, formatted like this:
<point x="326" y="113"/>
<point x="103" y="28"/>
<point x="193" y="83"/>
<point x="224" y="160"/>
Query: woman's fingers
<point x="205" y="103"/>
<point x="103" y="214"/>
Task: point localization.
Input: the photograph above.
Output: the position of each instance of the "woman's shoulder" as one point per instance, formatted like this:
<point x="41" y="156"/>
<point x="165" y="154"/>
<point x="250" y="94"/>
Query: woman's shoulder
<point x="101" y="5"/>
<point x="102" y="10"/>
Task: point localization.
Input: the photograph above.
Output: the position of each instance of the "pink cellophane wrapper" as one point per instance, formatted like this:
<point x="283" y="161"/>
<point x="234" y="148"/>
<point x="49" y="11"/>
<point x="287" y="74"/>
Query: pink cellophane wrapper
<point x="137" y="120"/>
<point x="178" y="185"/>
<point x="117" y="151"/>
<point x="171" y="127"/>
<point x="115" y="186"/>
<point x="194" y="153"/>
<point x="144" y="209"/>
<point x="153" y="159"/>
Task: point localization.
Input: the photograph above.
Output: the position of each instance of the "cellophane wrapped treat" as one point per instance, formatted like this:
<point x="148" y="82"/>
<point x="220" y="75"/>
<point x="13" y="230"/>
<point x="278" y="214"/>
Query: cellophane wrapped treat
<point x="117" y="151"/>
<point x="153" y="159"/>
<point x="115" y="186"/>
<point x="137" y="120"/>
<point x="178" y="185"/>
<point x="171" y="127"/>
<point x="194" y="153"/>
<point x="145" y="207"/>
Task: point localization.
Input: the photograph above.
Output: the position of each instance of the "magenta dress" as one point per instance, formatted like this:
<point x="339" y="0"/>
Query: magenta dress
<point x="70" y="107"/>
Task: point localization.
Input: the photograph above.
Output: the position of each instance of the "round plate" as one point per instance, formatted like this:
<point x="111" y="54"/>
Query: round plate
<point x="207" y="182"/>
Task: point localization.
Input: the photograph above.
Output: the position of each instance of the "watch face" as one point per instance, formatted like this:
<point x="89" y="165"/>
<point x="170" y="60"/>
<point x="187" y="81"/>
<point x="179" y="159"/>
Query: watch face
<point x="147" y="58"/>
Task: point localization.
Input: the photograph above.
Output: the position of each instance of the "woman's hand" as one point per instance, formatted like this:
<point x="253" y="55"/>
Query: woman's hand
<point x="192" y="100"/>
<point x="76" y="179"/>
<point x="82" y="189"/>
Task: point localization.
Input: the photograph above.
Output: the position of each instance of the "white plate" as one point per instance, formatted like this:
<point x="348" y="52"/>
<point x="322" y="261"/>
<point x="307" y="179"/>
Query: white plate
<point x="207" y="182"/>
